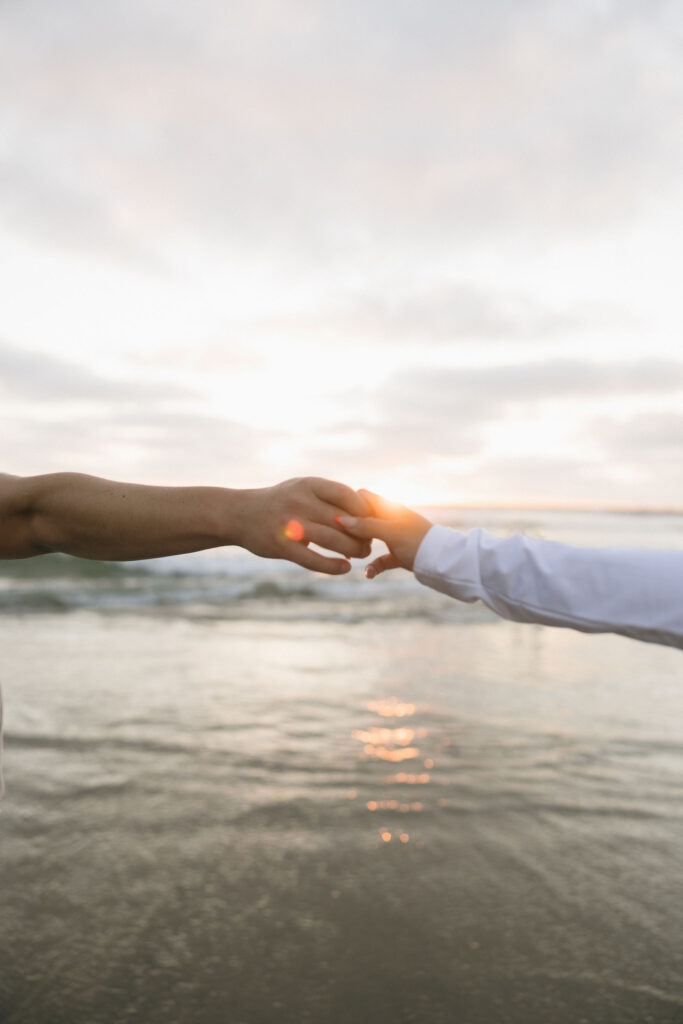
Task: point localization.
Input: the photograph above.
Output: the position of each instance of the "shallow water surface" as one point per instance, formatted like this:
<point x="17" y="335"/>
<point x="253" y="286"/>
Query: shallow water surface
<point x="313" y="809"/>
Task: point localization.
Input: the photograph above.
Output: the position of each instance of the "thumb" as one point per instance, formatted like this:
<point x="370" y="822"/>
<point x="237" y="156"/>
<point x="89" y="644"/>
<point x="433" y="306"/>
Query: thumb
<point x="381" y="564"/>
<point x="364" y="527"/>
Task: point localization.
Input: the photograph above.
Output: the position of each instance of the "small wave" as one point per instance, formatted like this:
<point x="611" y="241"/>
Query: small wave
<point x="282" y="596"/>
<point x="99" y="789"/>
<point x="58" y="566"/>
<point x="271" y="589"/>
<point x="281" y="814"/>
<point x="37" y="601"/>
<point x="82" y="744"/>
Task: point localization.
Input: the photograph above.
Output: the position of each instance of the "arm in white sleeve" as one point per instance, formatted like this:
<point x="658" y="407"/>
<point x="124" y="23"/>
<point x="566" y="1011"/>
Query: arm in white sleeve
<point x="636" y="592"/>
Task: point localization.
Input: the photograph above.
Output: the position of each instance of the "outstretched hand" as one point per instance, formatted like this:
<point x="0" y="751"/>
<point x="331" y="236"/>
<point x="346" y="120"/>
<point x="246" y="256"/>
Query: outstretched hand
<point x="281" y="521"/>
<point x="399" y="527"/>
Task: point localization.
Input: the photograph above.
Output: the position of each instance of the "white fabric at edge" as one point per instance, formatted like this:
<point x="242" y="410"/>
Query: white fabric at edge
<point x="636" y="592"/>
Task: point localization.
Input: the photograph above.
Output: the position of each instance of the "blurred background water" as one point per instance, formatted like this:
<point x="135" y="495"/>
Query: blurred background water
<point x="240" y="793"/>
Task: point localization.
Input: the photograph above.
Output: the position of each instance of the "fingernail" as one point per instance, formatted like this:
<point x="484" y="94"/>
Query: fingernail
<point x="346" y="521"/>
<point x="370" y="573"/>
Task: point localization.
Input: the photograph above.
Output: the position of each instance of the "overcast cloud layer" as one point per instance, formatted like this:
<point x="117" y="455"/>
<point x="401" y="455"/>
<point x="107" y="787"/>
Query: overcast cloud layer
<point x="432" y="248"/>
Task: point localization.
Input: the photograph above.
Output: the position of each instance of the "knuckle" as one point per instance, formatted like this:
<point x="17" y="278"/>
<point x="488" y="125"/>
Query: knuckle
<point x="295" y="485"/>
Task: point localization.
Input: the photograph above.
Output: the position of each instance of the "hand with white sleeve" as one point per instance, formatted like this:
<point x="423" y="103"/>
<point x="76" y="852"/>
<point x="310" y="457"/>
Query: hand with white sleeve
<point x="635" y="592"/>
<point x="399" y="527"/>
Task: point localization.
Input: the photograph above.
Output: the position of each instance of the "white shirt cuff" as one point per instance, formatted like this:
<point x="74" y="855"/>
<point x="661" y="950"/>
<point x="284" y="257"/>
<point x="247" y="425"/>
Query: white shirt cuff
<point x="443" y="556"/>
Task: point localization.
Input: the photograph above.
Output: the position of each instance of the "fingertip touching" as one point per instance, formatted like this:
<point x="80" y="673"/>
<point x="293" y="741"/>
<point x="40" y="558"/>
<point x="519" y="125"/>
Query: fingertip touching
<point x="372" y="500"/>
<point x="360" y="527"/>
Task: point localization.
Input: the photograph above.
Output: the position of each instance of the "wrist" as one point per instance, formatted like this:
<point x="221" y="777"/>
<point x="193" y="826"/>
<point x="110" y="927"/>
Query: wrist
<point x="234" y="515"/>
<point x="419" y="531"/>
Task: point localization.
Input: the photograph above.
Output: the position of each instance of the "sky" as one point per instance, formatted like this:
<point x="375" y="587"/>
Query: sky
<point x="432" y="248"/>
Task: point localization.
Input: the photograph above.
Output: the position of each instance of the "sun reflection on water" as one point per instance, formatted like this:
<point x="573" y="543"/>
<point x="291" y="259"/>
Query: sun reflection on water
<point x="393" y="805"/>
<point x="407" y="779"/>
<point x="394" y="744"/>
<point x="391" y="708"/>
<point x="400" y="736"/>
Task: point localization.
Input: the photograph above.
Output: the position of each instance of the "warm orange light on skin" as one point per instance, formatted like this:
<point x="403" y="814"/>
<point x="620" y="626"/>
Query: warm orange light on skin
<point x="294" y="530"/>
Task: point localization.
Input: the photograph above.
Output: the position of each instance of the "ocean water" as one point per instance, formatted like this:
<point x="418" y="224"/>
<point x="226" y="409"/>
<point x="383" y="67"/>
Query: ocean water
<point x="240" y="793"/>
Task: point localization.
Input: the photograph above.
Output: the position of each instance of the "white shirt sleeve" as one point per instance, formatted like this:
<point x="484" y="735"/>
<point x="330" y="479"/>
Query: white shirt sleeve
<point x="636" y="592"/>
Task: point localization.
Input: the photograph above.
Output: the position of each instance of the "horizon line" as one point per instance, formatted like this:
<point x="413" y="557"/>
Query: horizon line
<point x="515" y="506"/>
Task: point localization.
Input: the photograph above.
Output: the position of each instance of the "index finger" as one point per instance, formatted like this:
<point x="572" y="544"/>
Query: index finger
<point x="381" y="507"/>
<point x="340" y="495"/>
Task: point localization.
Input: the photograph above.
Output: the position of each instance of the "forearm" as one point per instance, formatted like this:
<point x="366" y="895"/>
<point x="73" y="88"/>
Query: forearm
<point x="102" y="519"/>
<point x="634" y="592"/>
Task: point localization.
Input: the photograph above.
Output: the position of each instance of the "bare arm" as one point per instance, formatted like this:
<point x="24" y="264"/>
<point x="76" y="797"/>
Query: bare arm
<point x="103" y="519"/>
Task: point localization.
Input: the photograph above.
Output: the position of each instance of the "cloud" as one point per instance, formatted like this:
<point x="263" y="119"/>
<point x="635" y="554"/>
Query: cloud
<point x="635" y="460"/>
<point x="318" y="131"/>
<point x="413" y="148"/>
<point x="40" y="376"/>
<point x="541" y="479"/>
<point x="422" y="416"/>
<point x="431" y="425"/>
<point x="194" y="447"/>
<point x="442" y="410"/>
<point x="64" y="416"/>
<point x="561" y="480"/>
<point x="56" y="202"/>
<point x="148" y="446"/>
<point x="647" y="438"/>
<point x="440" y="314"/>
<point x="208" y="358"/>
